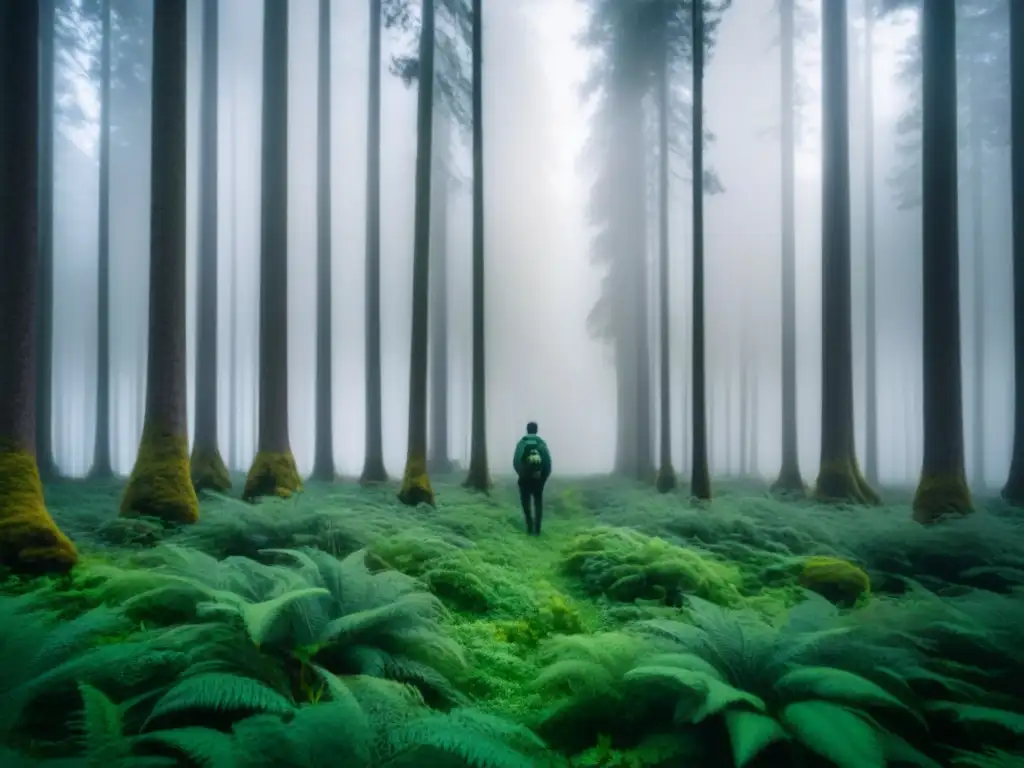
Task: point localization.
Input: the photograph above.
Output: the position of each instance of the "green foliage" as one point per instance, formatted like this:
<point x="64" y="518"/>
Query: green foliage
<point x="628" y="566"/>
<point x="355" y="631"/>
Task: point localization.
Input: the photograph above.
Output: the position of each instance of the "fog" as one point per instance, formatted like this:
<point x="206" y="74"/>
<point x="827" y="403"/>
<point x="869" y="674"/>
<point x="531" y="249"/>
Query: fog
<point x="541" y="284"/>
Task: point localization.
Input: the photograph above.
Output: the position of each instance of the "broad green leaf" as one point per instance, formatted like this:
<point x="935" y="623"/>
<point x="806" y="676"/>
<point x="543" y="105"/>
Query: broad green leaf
<point x="722" y="696"/>
<point x="972" y="714"/>
<point x="750" y="733"/>
<point x="677" y="677"/>
<point x="835" y="733"/>
<point x="689" y="661"/>
<point x="899" y="750"/>
<point x="835" y="685"/>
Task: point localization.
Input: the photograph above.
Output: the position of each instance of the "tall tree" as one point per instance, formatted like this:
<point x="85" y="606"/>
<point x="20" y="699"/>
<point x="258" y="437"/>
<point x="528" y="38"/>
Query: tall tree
<point x="323" y="459"/>
<point x="373" y="461"/>
<point x="839" y="478"/>
<point x="871" y="289"/>
<point x="1013" y="491"/>
<point x="101" y="467"/>
<point x="439" y="458"/>
<point x="479" y="474"/>
<point x="942" y="489"/>
<point x="416" y="487"/>
<point x="44" y="283"/>
<point x="273" y="471"/>
<point x="29" y="539"/>
<point x="700" y="477"/>
<point x="789" y="480"/>
<point x="666" y="473"/>
<point x="208" y="470"/>
<point x="160" y="484"/>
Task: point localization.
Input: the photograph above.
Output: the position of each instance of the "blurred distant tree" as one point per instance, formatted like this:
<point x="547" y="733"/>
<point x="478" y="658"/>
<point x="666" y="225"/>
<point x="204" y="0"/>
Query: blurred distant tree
<point x="633" y="43"/>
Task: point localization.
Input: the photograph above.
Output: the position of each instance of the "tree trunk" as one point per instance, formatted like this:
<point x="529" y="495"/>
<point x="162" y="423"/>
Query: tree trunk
<point x="273" y="471"/>
<point x="978" y="274"/>
<point x="666" y="473"/>
<point x="160" y="484"/>
<point x="44" y="283"/>
<point x="234" y="441"/>
<point x="700" y="477"/>
<point x="728" y="432"/>
<point x="871" y="334"/>
<point x="839" y="478"/>
<point x="744" y="419"/>
<point x="755" y="431"/>
<point x="208" y="470"/>
<point x="101" y="452"/>
<point x="29" y="539"/>
<point x="373" y="461"/>
<point x="479" y="474"/>
<point x="416" y="487"/>
<point x="323" y="462"/>
<point x="440" y="461"/>
<point x="1013" y="491"/>
<point x="942" y="488"/>
<point x="789" y="481"/>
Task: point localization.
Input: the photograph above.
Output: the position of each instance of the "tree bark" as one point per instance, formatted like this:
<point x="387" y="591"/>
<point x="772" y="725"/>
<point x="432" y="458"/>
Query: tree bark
<point x="1013" y="491"/>
<point x="208" y="470"/>
<point x="101" y="467"/>
<point x="978" y="275"/>
<point x="700" y="477"/>
<point x="871" y="333"/>
<point x="440" y="461"/>
<point x="416" y="487"/>
<point x="44" y="283"/>
<point x="29" y="539"/>
<point x="479" y="474"/>
<point x="373" y="461"/>
<point x="273" y="471"/>
<point x="160" y="484"/>
<point x="839" y="478"/>
<point x="323" y="462"/>
<point x="942" y="489"/>
<point x="666" y="473"/>
<point x="789" y="480"/>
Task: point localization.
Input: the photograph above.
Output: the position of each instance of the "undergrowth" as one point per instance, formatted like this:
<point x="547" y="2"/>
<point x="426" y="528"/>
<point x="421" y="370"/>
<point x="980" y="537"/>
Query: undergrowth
<point x="338" y="627"/>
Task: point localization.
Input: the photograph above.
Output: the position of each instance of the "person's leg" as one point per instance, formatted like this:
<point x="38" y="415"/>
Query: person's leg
<point x="538" y="506"/>
<point x="524" y="499"/>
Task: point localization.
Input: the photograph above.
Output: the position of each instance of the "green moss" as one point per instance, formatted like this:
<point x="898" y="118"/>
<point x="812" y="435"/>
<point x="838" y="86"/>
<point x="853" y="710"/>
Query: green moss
<point x="272" y="474"/>
<point x="666" y="480"/>
<point x="30" y="541"/>
<point x="941" y="496"/>
<point x="840" y="581"/>
<point x="208" y="470"/>
<point x="842" y="482"/>
<point x="160" y="485"/>
<point x="416" y="488"/>
<point x="626" y="566"/>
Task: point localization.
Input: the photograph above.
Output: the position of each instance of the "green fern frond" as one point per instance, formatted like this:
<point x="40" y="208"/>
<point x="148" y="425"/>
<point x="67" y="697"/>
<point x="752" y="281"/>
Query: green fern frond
<point x="203" y="746"/>
<point x="101" y="729"/>
<point x="475" y="739"/>
<point x="839" y="686"/>
<point x="218" y="691"/>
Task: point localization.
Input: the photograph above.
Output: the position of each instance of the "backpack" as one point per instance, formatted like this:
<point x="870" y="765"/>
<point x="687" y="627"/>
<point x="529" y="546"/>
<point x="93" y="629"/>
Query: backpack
<point x="532" y="463"/>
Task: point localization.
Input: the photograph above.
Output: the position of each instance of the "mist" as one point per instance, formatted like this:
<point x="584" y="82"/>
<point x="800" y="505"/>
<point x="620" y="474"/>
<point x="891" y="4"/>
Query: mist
<point x="543" y="362"/>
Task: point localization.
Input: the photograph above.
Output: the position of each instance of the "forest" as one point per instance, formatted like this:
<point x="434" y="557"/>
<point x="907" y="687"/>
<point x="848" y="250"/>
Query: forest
<point x="221" y="606"/>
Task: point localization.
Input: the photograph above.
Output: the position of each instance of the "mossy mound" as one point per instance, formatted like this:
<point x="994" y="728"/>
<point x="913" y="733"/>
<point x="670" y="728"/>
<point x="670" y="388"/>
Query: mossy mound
<point x="30" y="541"/>
<point x="839" y="581"/>
<point x="416" y="488"/>
<point x="842" y="481"/>
<point x="272" y="474"/>
<point x="628" y="566"/>
<point x="160" y="485"/>
<point x="941" y="496"/>
<point x="209" y="472"/>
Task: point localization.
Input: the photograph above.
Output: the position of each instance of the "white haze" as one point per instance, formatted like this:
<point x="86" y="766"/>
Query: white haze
<point x="542" y="364"/>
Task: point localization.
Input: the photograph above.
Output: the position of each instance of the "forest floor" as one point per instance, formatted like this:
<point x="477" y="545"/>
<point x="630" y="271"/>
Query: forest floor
<point x="637" y="630"/>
